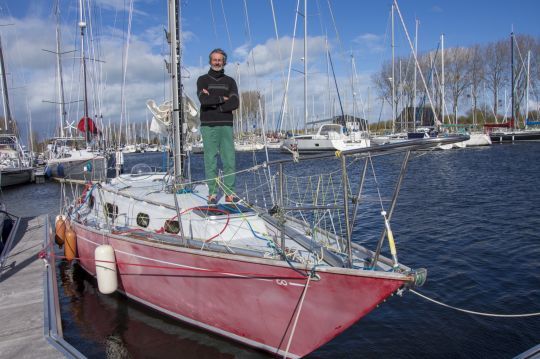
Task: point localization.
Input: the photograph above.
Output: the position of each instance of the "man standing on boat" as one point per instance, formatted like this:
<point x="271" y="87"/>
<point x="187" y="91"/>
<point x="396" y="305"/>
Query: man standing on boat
<point x="218" y="95"/>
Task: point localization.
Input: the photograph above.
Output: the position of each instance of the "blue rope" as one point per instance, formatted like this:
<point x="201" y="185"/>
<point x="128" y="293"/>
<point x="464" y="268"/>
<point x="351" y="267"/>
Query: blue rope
<point x="85" y="198"/>
<point x="272" y="245"/>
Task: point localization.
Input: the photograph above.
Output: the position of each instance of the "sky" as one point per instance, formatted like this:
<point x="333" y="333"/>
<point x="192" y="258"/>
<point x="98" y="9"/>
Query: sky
<point x="246" y="30"/>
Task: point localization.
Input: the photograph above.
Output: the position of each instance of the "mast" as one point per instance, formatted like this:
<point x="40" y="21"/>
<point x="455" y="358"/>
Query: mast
<point x="305" y="66"/>
<point x="7" y="111"/>
<point x="353" y="71"/>
<point x="147" y="130"/>
<point x="527" y="88"/>
<point x="176" y="79"/>
<point x="443" y="81"/>
<point x="414" y="81"/>
<point x="62" y="106"/>
<point x="512" y="76"/>
<point x="394" y="109"/>
<point x="82" y="25"/>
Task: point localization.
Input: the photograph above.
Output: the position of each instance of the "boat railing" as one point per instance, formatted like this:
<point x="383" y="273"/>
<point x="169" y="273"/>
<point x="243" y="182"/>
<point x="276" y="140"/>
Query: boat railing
<point x="346" y="204"/>
<point x="403" y="146"/>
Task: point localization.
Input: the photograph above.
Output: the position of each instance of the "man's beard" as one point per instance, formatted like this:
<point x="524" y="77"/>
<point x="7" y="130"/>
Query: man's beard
<point x="217" y="68"/>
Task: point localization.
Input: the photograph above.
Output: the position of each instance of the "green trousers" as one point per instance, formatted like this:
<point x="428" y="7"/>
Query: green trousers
<point x="219" y="140"/>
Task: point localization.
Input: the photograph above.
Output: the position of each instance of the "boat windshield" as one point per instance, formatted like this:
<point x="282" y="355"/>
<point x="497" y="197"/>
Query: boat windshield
<point x="326" y="129"/>
<point x="141" y="169"/>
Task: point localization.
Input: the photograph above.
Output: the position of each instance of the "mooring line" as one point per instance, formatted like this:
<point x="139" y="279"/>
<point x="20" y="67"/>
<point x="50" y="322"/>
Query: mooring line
<point x="476" y="313"/>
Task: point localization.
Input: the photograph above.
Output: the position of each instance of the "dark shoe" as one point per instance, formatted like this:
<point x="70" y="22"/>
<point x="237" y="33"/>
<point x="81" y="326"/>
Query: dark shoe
<point x="232" y="199"/>
<point x="212" y="199"/>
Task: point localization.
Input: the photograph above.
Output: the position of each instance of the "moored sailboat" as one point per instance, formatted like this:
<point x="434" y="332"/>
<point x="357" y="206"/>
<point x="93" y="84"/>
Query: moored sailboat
<point x="15" y="168"/>
<point x="256" y="274"/>
<point x="508" y="131"/>
<point x="71" y="156"/>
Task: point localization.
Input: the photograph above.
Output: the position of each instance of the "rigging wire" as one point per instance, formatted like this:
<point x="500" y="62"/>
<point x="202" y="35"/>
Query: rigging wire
<point x="124" y="72"/>
<point x="286" y="92"/>
<point x="213" y="19"/>
<point x="261" y="115"/>
<point x="338" y="37"/>
<point x="416" y="59"/>
<point x="226" y="25"/>
<point x="279" y="46"/>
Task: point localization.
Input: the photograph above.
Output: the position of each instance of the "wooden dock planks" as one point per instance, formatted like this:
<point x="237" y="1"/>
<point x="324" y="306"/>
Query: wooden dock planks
<point x="22" y="295"/>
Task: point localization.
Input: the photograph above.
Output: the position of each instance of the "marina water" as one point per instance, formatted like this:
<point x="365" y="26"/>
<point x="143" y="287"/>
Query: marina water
<point x="470" y="216"/>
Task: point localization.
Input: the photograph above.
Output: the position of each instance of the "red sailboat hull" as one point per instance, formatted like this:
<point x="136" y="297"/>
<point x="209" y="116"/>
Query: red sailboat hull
<point x="259" y="302"/>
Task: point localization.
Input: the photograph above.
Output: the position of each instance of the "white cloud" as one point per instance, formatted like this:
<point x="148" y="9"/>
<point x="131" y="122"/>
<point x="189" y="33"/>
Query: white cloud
<point x="273" y="56"/>
<point x="119" y="6"/>
<point x="35" y="71"/>
<point x="241" y="51"/>
<point x="146" y="77"/>
<point x="371" y="43"/>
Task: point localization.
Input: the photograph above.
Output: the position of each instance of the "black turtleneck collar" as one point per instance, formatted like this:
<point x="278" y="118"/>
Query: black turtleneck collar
<point x="216" y="74"/>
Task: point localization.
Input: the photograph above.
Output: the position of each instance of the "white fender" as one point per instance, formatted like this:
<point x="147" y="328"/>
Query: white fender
<point x="106" y="269"/>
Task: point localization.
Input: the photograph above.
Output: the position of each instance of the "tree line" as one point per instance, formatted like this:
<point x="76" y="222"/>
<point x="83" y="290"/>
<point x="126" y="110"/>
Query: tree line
<point x="477" y="81"/>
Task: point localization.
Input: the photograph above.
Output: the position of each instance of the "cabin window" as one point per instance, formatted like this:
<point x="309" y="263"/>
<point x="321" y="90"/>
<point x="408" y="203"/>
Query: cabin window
<point x="143" y="220"/>
<point x="111" y="210"/>
<point x="172" y="227"/>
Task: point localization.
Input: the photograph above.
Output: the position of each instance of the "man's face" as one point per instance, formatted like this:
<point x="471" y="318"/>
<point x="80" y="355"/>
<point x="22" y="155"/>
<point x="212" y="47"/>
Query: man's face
<point x="216" y="61"/>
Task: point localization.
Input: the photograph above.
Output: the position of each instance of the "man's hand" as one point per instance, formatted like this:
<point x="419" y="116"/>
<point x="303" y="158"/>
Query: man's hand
<point x="225" y="98"/>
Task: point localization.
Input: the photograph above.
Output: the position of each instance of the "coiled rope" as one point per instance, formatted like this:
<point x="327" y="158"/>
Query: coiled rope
<point x="474" y="312"/>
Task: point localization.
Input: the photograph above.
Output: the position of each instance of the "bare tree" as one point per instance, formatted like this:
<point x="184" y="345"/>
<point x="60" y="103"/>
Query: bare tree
<point x="497" y="60"/>
<point x="252" y="107"/>
<point x="457" y="74"/>
<point x="476" y="73"/>
<point x="407" y="82"/>
<point x="425" y="61"/>
<point x="383" y="82"/>
<point x="471" y="69"/>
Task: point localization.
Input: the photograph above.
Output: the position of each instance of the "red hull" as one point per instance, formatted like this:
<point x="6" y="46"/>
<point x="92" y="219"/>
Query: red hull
<point x="254" y="301"/>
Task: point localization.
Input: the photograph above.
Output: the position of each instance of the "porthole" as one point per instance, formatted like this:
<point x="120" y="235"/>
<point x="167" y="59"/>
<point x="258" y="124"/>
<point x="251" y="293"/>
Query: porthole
<point x="172" y="227"/>
<point x="143" y="220"/>
<point x="111" y="210"/>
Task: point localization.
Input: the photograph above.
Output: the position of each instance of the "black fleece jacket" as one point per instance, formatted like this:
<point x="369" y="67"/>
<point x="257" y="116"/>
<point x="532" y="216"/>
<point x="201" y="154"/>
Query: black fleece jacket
<point x="215" y="111"/>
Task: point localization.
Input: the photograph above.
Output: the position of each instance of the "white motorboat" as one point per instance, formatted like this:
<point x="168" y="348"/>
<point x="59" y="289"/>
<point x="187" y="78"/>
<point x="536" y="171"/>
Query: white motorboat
<point x="329" y="137"/>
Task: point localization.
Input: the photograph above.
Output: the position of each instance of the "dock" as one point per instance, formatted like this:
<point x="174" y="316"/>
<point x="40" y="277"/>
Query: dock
<point x="30" y="325"/>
